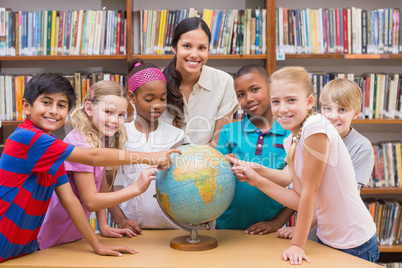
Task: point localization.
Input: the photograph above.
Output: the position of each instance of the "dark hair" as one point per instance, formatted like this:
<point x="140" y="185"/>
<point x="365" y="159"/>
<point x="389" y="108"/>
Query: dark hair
<point x="252" y="68"/>
<point x="132" y="69"/>
<point x="173" y="76"/>
<point x="49" y="83"/>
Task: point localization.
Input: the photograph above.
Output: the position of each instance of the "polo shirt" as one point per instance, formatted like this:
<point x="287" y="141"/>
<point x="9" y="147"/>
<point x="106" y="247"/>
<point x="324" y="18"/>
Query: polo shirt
<point x="212" y="98"/>
<point x="249" y="143"/>
<point x="31" y="166"/>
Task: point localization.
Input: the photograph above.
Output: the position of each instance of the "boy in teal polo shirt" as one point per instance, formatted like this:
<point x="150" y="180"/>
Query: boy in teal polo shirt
<point x="258" y="138"/>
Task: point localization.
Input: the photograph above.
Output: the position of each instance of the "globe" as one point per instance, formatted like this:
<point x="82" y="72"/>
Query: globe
<point x="198" y="187"/>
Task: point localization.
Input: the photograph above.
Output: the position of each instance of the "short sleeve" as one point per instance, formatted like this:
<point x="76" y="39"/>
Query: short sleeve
<point x="229" y="101"/>
<point x="317" y="124"/>
<point x="47" y="154"/>
<point x="363" y="163"/>
<point x="223" y="142"/>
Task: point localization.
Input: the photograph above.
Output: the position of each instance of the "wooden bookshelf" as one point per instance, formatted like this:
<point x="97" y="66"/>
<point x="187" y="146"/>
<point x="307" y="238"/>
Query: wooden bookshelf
<point x="389" y="190"/>
<point x="66" y="57"/>
<point x="390" y="249"/>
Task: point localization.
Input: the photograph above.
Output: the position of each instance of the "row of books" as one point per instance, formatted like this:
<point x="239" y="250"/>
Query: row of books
<point x="12" y="90"/>
<point x="94" y="222"/>
<point x="70" y="32"/>
<point x="382" y="93"/>
<point x="338" y="30"/>
<point x="387" y="170"/>
<point x="387" y="217"/>
<point x="233" y="31"/>
<point x="392" y="265"/>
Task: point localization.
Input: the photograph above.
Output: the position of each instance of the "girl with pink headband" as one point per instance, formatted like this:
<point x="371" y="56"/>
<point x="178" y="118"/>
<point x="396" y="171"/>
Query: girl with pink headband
<point x="146" y="133"/>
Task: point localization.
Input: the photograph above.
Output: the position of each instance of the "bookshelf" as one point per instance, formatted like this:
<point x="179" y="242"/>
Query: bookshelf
<point x="375" y="129"/>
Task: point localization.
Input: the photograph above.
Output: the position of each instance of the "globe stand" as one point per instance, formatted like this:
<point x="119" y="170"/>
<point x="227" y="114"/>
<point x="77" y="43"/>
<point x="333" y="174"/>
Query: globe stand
<point x="194" y="242"/>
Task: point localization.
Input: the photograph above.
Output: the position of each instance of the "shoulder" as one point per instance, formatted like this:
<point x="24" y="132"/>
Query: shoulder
<point x="317" y="123"/>
<point x="216" y="73"/>
<point x="76" y="138"/>
<point x="168" y="128"/>
<point x="355" y="139"/>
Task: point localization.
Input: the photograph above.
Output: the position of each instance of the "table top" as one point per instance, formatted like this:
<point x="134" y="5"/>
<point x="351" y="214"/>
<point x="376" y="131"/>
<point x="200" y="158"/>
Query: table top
<point x="235" y="249"/>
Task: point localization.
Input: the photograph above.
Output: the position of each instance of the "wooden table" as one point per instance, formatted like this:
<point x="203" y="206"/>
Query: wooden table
<point x="235" y="249"/>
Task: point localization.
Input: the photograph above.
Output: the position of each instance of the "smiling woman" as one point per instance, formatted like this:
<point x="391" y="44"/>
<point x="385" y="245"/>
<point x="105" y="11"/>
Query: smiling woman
<point x="200" y="99"/>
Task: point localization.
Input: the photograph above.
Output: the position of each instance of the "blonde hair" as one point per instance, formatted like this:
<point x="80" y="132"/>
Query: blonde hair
<point x="295" y="75"/>
<point x="344" y="93"/>
<point x="83" y="124"/>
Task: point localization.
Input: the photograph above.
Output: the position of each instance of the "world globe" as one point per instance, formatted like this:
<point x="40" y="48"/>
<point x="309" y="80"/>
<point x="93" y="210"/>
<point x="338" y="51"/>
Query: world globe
<point x="197" y="188"/>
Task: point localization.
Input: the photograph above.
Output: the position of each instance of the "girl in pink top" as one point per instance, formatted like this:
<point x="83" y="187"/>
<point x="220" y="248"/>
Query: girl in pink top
<point x="98" y="123"/>
<point x="319" y="165"/>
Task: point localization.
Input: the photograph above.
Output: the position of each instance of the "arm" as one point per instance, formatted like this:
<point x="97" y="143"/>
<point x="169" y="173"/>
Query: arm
<point x="103" y="225"/>
<point x="315" y="153"/>
<point x="218" y="126"/>
<point x="74" y="209"/>
<point x="114" y="157"/>
<point x="281" y="177"/>
<point x="94" y="201"/>
<point x="265" y="227"/>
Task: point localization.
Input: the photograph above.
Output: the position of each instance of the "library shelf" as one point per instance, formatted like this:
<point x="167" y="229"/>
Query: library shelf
<point x="64" y="57"/>
<point x="387" y="190"/>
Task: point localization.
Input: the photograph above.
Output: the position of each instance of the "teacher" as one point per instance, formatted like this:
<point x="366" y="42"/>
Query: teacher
<point x="200" y="99"/>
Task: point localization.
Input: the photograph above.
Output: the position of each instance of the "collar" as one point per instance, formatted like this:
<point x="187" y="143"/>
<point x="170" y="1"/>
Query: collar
<point x="247" y="126"/>
<point x="205" y="81"/>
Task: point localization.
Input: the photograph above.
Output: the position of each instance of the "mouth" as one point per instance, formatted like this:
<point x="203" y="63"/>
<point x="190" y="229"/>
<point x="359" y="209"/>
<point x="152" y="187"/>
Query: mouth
<point x="284" y="118"/>
<point x="51" y="120"/>
<point x="114" y="128"/>
<point x="156" y="114"/>
<point x="252" y="107"/>
<point x="193" y="63"/>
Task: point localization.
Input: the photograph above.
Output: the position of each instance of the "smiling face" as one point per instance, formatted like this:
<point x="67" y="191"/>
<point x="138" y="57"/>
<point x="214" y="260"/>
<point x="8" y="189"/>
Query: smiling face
<point x="290" y="104"/>
<point x="48" y="112"/>
<point x="108" y="114"/>
<point x="192" y="52"/>
<point x="253" y="95"/>
<point x="340" y="117"/>
<point x="150" y="101"/>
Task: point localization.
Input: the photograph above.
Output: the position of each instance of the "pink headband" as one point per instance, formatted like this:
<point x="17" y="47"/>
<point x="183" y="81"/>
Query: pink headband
<point x="145" y="76"/>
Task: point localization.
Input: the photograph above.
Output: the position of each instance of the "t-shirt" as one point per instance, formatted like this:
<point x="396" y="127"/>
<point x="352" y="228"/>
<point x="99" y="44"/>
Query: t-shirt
<point x="212" y="98"/>
<point x="144" y="208"/>
<point x="343" y="220"/>
<point x="31" y="166"/>
<point x="362" y="155"/>
<point x="58" y="228"/>
<point x="249" y="143"/>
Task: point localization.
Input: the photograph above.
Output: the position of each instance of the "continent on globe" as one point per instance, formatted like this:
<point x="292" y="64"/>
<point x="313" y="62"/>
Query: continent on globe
<point x="198" y="187"/>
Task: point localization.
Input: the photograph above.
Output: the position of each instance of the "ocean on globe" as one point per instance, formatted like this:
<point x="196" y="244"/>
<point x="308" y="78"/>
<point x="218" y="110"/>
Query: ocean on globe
<point x="198" y="187"/>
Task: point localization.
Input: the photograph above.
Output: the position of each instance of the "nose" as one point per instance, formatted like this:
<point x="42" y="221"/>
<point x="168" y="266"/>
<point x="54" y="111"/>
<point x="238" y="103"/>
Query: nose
<point x="333" y="115"/>
<point x="113" y="119"/>
<point x="283" y="108"/>
<point x="193" y="52"/>
<point x="249" y="97"/>
<point x="53" y="109"/>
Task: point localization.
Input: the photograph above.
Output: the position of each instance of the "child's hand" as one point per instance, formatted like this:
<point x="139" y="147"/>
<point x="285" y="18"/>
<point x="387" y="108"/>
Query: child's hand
<point x="147" y="175"/>
<point x="285" y="232"/>
<point x="262" y="227"/>
<point x="107" y="250"/>
<point x="161" y="159"/>
<point x="245" y="173"/>
<point x="130" y="224"/>
<point x="108" y="231"/>
<point x="295" y="255"/>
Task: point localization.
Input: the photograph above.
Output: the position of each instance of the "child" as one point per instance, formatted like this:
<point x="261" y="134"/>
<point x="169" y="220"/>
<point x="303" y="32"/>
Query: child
<point x="340" y="102"/>
<point x="258" y="138"/>
<point x="146" y="133"/>
<point x="321" y="170"/>
<point x="31" y="167"/>
<point x="101" y="116"/>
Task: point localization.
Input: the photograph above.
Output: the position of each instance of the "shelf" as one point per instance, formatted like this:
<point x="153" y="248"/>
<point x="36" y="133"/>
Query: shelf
<point x="344" y="56"/>
<point x="390" y="190"/>
<point x="394" y="248"/>
<point x="70" y="57"/>
<point x="377" y="121"/>
<point x="220" y="57"/>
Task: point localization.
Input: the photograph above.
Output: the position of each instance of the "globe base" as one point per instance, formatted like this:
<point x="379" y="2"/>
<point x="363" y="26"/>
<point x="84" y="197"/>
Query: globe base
<point x="183" y="243"/>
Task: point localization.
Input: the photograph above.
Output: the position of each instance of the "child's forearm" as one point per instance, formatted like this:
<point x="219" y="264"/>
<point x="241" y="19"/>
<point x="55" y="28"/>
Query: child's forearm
<point x="117" y="214"/>
<point x="280" y="177"/>
<point x="287" y="197"/>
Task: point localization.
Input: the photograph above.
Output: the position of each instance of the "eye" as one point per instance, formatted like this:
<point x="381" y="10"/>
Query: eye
<point x="292" y="100"/>
<point x="186" y="46"/>
<point x="274" y="101"/>
<point x="148" y="100"/>
<point x="108" y="112"/>
<point x="46" y="102"/>
<point x="327" y="109"/>
<point x="62" y="105"/>
<point x="255" y="89"/>
<point x="342" y="110"/>
<point x="163" y="99"/>
<point x="122" y="115"/>
<point x="203" y="47"/>
<point x="240" y="95"/>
